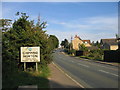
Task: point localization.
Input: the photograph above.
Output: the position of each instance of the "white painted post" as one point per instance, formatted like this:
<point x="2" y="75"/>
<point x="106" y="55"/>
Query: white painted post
<point x="36" y="66"/>
<point x="24" y="66"/>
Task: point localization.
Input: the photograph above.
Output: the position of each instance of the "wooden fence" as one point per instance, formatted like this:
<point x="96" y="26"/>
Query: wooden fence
<point x="112" y="56"/>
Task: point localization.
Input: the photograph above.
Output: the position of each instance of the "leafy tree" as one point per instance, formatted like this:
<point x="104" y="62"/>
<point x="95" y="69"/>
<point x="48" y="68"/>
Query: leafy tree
<point x="97" y="44"/>
<point x="23" y="34"/>
<point x="5" y="24"/>
<point x="93" y="44"/>
<point x="62" y="43"/>
<point x="70" y="46"/>
<point x="117" y="36"/>
<point x="53" y="42"/>
<point x="82" y="47"/>
<point x="65" y="43"/>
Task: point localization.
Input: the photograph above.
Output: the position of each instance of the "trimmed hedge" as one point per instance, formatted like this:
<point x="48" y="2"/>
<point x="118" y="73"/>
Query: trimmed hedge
<point x="112" y="56"/>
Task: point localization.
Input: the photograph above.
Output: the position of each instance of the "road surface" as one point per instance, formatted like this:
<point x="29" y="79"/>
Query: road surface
<point x="88" y="73"/>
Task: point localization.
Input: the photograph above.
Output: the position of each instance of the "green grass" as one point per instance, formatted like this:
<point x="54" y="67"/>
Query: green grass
<point x="93" y="58"/>
<point x="13" y="80"/>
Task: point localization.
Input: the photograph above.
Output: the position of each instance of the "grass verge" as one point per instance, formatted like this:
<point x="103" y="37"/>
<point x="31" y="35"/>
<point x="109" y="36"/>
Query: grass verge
<point x="11" y="81"/>
<point x="91" y="58"/>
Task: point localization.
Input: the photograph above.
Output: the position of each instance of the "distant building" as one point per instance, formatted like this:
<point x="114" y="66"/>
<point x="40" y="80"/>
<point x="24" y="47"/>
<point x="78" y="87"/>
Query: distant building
<point x="110" y="44"/>
<point x="118" y="40"/>
<point x="78" y="41"/>
<point x="87" y="43"/>
<point x="93" y="48"/>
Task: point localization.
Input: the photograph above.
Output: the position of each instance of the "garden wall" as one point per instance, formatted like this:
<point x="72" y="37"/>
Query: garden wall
<point x="112" y="56"/>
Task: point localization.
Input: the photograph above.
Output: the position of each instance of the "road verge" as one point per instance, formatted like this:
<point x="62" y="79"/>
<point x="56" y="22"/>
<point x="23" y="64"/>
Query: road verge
<point x="60" y="79"/>
<point x="101" y="62"/>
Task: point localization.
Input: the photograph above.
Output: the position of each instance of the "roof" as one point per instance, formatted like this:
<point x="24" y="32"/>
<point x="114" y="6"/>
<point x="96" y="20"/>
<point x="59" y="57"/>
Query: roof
<point x="93" y="48"/>
<point x="118" y="38"/>
<point x="111" y="41"/>
<point x="77" y="37"/>
<point x="88" y="41"/>
<point x="107" y="40"/>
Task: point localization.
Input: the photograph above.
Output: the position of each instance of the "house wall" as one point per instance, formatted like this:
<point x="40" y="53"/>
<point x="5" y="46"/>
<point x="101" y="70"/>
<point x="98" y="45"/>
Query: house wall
<point x="76" y="43"/>
<point x="106" y="46"/>
<point x="113" y="47"/>
<point x="110" y="47"/>
<point x="87" y="45"/>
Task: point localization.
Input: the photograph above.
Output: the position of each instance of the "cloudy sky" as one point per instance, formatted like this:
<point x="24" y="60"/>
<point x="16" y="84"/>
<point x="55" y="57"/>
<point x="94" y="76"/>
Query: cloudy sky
<point x="89" y="20"/>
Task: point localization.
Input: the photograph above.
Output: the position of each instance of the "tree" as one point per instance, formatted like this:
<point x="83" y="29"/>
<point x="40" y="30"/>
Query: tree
<point x="97" y="44"/>
<point x="70" y="46"/>
<point x="65" y="43"/>
<point x="23" y="34"/>
<point x="5" y="24"/>
<point x="93" y="43"/>
<point x="82" y="47"/>
<point x="62" y="43"/>
<point x="53" y="42"/>
<point x="117" y="36"/>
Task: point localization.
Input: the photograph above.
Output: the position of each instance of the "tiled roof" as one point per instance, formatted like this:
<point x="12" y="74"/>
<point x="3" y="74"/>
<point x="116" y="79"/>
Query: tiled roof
<point x="77" y="37"/>
<point x="88" y="41"/>
<point x="112" y="41"/>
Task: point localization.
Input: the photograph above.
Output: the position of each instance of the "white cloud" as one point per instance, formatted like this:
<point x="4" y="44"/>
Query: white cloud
<point x="91" y="36"/>
<point x="92" y="23"/>
<point x="102" y="20"/>
<point x="94" y="28"/>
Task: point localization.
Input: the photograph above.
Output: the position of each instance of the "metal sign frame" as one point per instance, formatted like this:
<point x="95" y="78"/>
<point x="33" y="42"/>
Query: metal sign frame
<point x="30" y="54"/>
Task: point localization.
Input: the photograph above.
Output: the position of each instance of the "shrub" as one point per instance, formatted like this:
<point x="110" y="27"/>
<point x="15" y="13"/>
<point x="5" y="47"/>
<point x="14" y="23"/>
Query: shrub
<point x="23" y="34"/>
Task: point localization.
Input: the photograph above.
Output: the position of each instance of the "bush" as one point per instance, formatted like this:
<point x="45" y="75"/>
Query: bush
<point x="71" y="52"/>
<point x="23" y="34"/>
<point x="96" y="54"/>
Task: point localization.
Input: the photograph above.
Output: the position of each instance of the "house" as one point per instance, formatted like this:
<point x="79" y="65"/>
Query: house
<point x="87" y="43"/>
<point x="110" y="44"/>
<point x="78" y="41"/>
<point x="93" y="48"/>
<point x="118" y="40"/>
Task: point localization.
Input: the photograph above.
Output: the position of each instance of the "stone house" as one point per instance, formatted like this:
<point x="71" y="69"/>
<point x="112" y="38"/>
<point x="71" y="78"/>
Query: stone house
<point x="110" y="44"/>
<point x="78" y="41"/>
<point x="118" y="40"/>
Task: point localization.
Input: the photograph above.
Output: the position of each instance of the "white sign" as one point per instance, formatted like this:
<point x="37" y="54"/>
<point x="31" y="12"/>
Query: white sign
<point x="30" y="54"/>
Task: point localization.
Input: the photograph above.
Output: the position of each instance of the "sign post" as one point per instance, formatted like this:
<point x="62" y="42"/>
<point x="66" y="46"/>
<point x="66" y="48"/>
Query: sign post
<point x="36" y="66"/>
<point x="30" y="54"/>
<point x="24" y="66"/>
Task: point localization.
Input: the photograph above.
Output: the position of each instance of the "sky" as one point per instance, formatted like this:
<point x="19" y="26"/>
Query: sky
<point x="88" y="20"/>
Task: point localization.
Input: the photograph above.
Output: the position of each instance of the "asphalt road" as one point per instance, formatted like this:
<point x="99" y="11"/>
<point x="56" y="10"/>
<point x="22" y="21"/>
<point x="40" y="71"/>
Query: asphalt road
<point x="88" y="73"/>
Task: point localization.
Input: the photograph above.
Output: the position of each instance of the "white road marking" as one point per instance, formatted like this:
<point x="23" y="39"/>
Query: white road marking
<point x="108" y="73"/>
<point x="72" y="61"/>
<point x="69" y="76"/>
<point x="96" y="64"/>
<point x="83" y="65"/>
<point x="76" y="57"/>
<point x="106" y="67"/>
<point x="100" y="65"/>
